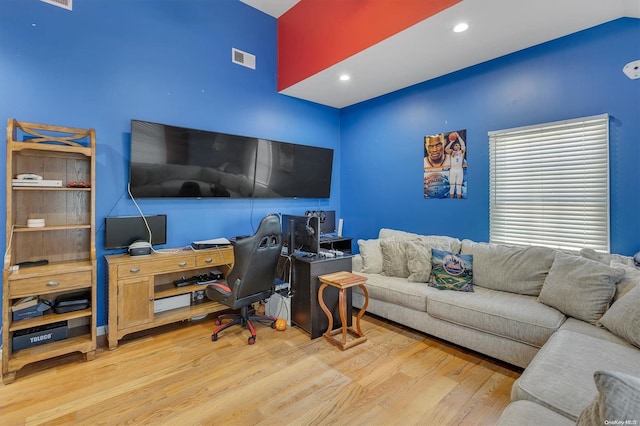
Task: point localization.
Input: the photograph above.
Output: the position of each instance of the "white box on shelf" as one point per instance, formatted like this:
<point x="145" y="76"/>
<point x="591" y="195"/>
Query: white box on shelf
<point x="37" y="183"/>
<point x="173" y="302"/>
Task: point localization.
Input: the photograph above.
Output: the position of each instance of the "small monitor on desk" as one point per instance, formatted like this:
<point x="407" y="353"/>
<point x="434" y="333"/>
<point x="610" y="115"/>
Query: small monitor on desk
<point x="122" y="231"/>
<point x="301" y="233"/>
<point x="328" y="223"/>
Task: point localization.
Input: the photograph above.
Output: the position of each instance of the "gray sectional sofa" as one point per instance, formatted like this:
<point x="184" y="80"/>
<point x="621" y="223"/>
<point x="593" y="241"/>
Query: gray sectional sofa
<point x="571" y="320"/>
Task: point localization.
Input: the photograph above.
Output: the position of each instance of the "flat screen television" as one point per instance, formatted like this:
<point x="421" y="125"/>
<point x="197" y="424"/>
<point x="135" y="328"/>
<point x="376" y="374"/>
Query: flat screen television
<point x="302" y="233"/>
<point x="172" y="161"/>
<point x="121" y="231"/>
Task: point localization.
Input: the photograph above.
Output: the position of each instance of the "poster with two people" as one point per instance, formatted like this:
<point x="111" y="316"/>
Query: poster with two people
<point x="445" y="165"/>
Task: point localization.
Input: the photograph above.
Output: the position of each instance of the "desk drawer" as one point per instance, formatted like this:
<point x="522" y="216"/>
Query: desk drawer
<point x="220" y="257"/>
<point x="156" y="267"/>
<point x="49" y="284"/>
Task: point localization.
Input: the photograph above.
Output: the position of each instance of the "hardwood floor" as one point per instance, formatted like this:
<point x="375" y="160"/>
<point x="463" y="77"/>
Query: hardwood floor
<point x="176" y="375"/>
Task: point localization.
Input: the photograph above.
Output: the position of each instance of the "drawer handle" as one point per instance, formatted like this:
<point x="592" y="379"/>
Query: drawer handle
<point x="53" y="283"/>
<point x="182" y="264"/>
<point x="134" y="270"/>
<point x="208" y="260"/>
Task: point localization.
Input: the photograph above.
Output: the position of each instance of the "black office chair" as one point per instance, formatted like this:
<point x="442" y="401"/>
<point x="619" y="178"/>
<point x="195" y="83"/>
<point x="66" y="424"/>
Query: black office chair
<point x="252" y="277"/>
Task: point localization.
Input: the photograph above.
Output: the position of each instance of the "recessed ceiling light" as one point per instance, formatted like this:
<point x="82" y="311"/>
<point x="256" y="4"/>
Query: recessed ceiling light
<point x="345" y="77"/>
<point x="461" y="27"/>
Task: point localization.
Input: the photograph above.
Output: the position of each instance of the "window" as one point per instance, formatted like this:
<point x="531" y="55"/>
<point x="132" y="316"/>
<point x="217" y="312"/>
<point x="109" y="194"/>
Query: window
<point x="549" y="184"/>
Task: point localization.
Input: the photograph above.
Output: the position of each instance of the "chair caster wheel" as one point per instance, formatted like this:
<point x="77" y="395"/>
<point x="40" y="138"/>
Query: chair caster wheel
<point x="273" y="324"/>
<point x="252" y="340"/>
<point x="214" y="337"/>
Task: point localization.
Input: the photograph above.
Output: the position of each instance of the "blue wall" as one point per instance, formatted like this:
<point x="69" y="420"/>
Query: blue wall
<point x="575" y="76"/>
<point x="167" y="61"/>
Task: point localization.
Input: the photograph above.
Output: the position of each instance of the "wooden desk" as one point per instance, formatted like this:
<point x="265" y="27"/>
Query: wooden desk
<point x="136" y="282"/>
<point x="343" y="281"/>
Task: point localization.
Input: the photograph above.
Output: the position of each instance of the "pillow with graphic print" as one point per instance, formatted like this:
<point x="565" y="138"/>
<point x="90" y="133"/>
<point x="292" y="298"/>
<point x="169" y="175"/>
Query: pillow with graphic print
<point x="450" y="271"/>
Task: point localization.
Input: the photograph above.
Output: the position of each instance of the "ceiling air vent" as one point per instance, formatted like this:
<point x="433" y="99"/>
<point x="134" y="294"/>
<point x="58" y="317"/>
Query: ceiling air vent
<point x="65" y="4"/>
<point x="243" y="58"/>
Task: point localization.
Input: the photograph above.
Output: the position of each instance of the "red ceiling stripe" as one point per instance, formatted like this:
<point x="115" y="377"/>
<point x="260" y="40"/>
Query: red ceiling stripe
<point x="316" y="34"/>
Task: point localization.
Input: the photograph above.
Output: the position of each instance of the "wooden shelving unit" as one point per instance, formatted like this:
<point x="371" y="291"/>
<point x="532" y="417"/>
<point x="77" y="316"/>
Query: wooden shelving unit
<point x="67" y="240"/>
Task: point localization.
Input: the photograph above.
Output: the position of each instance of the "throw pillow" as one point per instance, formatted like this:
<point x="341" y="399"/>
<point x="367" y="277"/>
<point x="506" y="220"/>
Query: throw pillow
<point x="442" y="242"/>
<point x="371" y="255"/>
<point x="623" y="317"/>
<point x="618" y="400"/>
<point x="418" y="260"/>
<point x="451" y="271"/>
<point x="394" y="259"/>
<point x="520" y="270"/>
<point x="579" y="287"/>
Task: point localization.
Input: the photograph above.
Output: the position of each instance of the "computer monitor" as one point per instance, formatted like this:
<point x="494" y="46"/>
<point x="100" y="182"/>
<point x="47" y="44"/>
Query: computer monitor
<point x="301" y="233"/>
<point x="328" y="222"/>
<point x="122" y="231"/>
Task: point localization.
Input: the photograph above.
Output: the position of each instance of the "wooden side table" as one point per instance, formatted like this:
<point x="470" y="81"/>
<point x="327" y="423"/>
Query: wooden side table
<point x="342" y="281"/>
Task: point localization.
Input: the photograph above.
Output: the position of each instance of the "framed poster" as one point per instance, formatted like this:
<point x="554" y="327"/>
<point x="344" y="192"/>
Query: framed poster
<point x="445" y="165"/>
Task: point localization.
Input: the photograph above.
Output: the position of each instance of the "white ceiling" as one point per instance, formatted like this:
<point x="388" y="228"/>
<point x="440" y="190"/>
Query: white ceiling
<point x="431" y="49"/>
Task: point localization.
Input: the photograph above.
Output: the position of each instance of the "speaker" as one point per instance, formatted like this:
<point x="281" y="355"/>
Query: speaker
<point x="340" y="224"/>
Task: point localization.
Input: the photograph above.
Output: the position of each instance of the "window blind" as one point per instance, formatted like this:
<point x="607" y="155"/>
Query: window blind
<point x="549" y="184"/>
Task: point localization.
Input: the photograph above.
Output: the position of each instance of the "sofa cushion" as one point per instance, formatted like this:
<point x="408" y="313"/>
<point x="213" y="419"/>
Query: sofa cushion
<point x="601" y="333"/>
<point x="579" y="287"/>
<point x="394" y="258"/>
<point x="397" y="291"/>
<point x="560" y="376"/>
<point x="623" y="317"/>
<point x="519" y="270"/>
<point x="418" y="255"/>
<point x="629" y="281"/>
<point x="513" y="316"/>
<point x="396" y="234"/>
<point x="441" y="242"/>
<point x="618" y="400"/>
<point x="371" y="255"/>
<point x="385" y="233"/>
<point x="527" y="413"/>
<point x="606" y="258"/>
<point x="450" y="271"/>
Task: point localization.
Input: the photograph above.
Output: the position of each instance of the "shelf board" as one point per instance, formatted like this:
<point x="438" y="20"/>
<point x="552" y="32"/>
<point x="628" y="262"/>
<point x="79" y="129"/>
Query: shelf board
<point x="186" y="312"/>
<point x="168" y="290"/>
<point x="52" y="228"/>
<point x="48" y="188"/>
<point x="51" y="269"/>
<point x="48" y="318"/>
<point x="50" y="147"/>
<point x="83" y="343"/>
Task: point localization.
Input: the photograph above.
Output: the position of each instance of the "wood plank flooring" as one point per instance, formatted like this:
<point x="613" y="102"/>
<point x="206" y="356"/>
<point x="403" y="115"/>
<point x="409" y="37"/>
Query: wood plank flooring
<point x="176" y="375"/>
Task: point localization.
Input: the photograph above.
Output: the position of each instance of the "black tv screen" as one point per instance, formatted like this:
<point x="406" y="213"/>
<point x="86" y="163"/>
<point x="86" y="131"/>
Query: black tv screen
<point x="121" y="231"/>
<point x="171" y="161"/>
